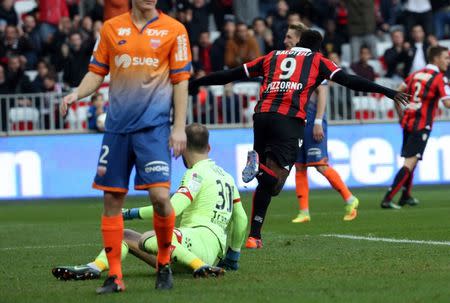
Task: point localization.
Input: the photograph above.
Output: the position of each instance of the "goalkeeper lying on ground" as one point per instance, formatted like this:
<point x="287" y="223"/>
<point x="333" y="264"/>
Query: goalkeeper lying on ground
<point x="210" y="208"/>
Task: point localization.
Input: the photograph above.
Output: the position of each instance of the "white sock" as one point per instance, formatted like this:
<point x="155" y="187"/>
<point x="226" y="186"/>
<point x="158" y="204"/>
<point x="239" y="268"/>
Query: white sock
<point x="350" y="200"/>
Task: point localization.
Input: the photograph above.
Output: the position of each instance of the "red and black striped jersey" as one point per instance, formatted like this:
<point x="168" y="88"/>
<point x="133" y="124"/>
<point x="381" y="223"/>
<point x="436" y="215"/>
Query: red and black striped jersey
<point x="289" y="79"/>
<point x="427" y="87"/>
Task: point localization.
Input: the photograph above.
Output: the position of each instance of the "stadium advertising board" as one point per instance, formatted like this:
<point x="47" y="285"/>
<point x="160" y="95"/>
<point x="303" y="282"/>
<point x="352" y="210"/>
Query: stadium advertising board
<point x="64" y="165"/>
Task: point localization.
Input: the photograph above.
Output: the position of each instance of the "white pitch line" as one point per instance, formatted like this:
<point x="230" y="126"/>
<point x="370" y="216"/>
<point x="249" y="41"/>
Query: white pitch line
<point x="390" y="240"/>
<point x="49" y="246"/>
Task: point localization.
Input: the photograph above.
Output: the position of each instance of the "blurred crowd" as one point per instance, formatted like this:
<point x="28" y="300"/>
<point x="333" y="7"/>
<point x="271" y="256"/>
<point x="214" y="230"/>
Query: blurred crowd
<point x="56" y="38"/>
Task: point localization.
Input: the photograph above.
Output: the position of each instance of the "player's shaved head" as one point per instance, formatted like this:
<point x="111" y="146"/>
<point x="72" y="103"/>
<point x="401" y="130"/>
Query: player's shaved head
<point x="197" y="138"/>
<point x="311" y="39"/>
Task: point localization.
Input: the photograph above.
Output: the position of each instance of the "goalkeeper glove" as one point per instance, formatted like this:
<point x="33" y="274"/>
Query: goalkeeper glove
<point x="230" y="262"/>
<point x="130" y="213"/>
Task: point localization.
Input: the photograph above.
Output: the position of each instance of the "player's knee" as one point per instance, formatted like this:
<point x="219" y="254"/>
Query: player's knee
<point x="127" y="234"/>
<point x="113" y="203"/>
<point x="411" y="162"/>
<point x="159" y="198"/>
<point x="268" y="174"/>
<point x="276" y="190"/>
<point x="321" y="168"/>
<point x="130" y="238"/>
<point x="143" y="241"/>
<point x="300" y="167"/>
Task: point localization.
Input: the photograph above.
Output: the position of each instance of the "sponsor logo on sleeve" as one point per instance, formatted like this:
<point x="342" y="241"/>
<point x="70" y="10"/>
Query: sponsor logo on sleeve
<point x="195" y="183"/>
<point x="185" y="191"/>
<point x="96" y="44"/>
<point x="182" y="49"/>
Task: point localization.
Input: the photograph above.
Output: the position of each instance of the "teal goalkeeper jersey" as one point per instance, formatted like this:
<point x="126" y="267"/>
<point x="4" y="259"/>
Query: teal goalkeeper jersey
<point x="212" y="194"/>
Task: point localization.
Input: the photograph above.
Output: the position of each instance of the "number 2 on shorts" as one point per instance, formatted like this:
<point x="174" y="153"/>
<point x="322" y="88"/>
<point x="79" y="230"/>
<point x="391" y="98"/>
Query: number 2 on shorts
<point x="105" y="152"/>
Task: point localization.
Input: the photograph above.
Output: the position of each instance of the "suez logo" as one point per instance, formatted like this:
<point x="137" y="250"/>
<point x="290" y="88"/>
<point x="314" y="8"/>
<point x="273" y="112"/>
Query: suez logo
<point x="20" y="174"/>
<point x="126" y="61"/>
<point x="157" y="167"/>
<point x="368" y="161"/>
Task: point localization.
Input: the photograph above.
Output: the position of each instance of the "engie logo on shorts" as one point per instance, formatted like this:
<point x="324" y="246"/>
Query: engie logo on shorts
<point x="126" y="61"/>
<point x="157" y="167"/>
<point x="314" y="152"/>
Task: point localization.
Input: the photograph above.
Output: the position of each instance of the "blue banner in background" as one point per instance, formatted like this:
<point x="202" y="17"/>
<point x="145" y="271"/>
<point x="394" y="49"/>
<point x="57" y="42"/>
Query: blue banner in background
<point x="57" y="166"/>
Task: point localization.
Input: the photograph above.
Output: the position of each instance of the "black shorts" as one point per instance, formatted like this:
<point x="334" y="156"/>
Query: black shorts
<point x="279" y="136"/>
<point x="414" y="143"/>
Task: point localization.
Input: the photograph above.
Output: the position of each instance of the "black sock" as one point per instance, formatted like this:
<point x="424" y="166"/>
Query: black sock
<point x="400" y="179"/>
<point x="261" y="201"/>
<point x="406" y="193"/>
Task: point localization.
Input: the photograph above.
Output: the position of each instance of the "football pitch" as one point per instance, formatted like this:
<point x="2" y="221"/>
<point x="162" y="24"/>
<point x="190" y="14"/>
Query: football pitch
<point x="382" y="256"/>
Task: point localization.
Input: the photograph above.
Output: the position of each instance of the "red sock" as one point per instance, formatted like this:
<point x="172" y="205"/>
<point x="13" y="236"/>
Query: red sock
<point x="302" y="189"/>
<point x="164" y="231"/>
<point x="337" y="183"/>
<point x="112" y="230"/>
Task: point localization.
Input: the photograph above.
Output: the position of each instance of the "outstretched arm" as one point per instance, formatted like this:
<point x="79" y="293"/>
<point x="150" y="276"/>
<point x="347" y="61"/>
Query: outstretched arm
<point x="398" y="107"/>
<point x="361" y="84"/>
<point x="178" y="201"/>
<point x="218" y="78"/>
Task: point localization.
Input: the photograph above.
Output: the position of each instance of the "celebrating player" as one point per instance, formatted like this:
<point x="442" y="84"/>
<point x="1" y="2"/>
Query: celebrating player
<point x="313" y="151"/>
<point x="208" y="202"/>
<point x="427" y="87"/>
<point x="148" y="57"/>
<point x="289" y="78"/>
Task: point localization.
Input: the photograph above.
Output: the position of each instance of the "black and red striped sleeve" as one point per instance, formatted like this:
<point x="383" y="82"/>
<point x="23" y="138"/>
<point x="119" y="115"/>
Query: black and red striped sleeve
<point x="255" y="68"/>
<point x="327" y="68"/>
<point x="443" y="89"/>
<point x="408" y="79"/>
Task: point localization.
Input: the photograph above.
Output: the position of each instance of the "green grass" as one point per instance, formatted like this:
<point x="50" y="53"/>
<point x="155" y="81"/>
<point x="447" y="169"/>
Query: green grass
<point x="297" y="264"/>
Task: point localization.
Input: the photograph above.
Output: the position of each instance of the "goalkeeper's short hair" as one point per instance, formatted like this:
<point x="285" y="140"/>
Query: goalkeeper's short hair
<point x="197" y="137"/>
